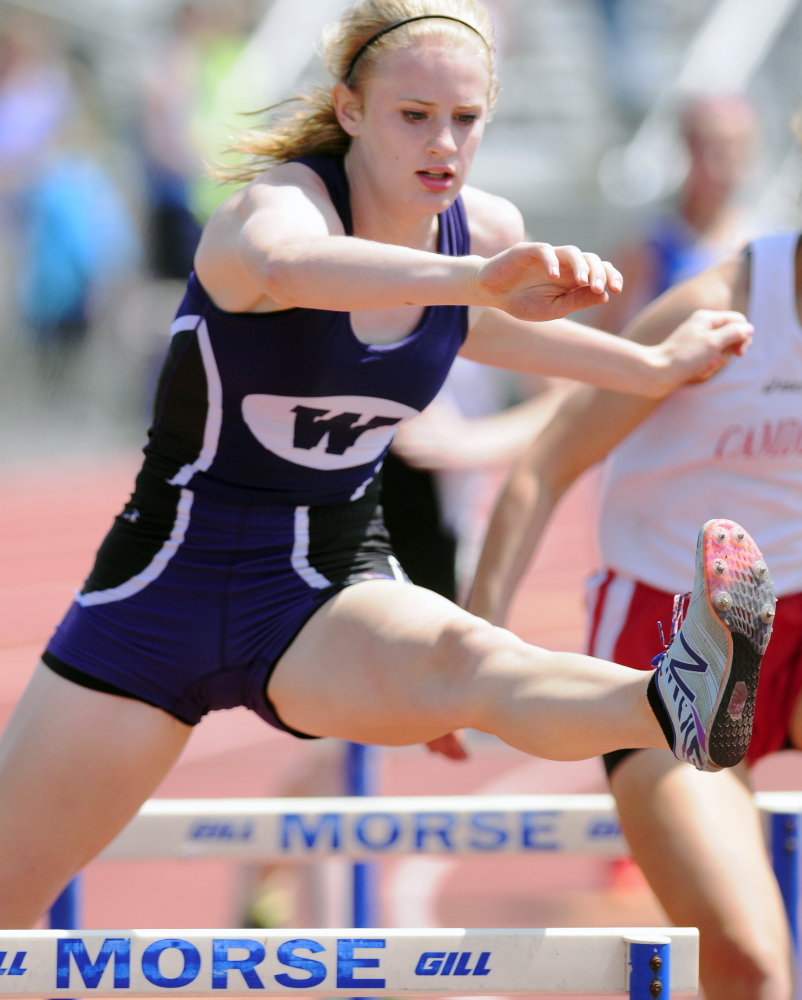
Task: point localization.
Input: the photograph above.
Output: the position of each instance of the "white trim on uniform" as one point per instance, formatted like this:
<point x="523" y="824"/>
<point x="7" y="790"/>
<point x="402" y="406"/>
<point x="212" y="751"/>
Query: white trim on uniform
<point x="398" y="572"/>
<point x="617" y="597"/>
<point x="188" y="322"/>
<point x="214" y="410"/>
<point x="359" y="492"/>
<point x="300" y="552"/>
<point x="155" y="567"/>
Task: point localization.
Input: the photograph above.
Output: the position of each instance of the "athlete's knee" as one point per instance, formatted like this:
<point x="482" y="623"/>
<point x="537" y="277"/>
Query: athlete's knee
<point x="464" y="649"/>
<point x="746" y="970"/>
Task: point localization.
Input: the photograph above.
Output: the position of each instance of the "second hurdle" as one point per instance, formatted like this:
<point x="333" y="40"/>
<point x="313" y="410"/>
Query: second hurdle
<point x="304" y="830"/>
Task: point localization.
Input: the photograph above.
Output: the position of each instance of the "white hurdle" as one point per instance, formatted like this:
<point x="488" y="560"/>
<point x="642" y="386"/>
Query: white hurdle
<point x="645" y="963"/>
<point x="298" y="829"/>
<point x="370" y="828"/>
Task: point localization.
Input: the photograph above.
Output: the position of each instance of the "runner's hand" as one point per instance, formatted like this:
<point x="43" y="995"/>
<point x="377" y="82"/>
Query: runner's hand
<point x="702" y="346"/>
<point x="536" y="281"/>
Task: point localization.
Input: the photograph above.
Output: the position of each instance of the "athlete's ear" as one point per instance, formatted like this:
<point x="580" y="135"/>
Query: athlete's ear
<point x="348" y="108"/>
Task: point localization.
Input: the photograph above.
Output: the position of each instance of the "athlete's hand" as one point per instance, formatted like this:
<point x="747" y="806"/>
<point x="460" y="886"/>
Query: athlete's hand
<point x="702" y="346"/>
<point x="536" y="281"/>
<point x="450" y="745"/>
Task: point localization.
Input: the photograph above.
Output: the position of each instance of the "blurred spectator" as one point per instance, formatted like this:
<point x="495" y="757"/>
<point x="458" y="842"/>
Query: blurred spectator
<point x="171" y="158"/>
<point x="186" y="124"/>
<point x="79" y="238"/>
<point x="709" y="222"/>
<point x="70" y="228"/>
<point x="223" y="96"/>
<point x="35" y="95"/>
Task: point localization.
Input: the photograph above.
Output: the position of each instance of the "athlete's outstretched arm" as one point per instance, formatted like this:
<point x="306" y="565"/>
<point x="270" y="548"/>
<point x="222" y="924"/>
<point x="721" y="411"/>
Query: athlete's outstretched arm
<point x="281" y="239"/>
<point x="693" y="351"/>
<point x="586" y="427"/>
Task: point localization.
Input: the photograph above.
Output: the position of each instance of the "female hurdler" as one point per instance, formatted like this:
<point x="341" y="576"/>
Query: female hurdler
<point x="250" y="566"/>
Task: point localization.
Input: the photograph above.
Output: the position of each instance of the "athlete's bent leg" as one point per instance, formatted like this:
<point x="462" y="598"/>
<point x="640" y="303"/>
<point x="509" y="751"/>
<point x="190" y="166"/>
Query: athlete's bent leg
<point x="699" y="841"/>
<point x="75" y="766"/>
<point x="389" y="663"/>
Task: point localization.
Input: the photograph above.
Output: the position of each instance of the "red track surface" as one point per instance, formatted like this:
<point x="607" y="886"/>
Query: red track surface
<point x="51" y="521"/>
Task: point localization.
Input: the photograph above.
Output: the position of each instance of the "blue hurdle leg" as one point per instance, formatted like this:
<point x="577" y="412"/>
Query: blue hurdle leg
<point x="649" y="966"/>
<point x="360" y="779"/>
<point x="785" y="861"/>
<point x="65" y="913"/>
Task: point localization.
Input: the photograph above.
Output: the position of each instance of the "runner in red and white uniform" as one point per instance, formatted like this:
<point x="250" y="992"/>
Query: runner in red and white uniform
<point x="735" y="443"/>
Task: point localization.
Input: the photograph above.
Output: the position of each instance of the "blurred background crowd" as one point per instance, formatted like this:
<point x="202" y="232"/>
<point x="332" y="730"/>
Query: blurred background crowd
<point x="656" y="132"/>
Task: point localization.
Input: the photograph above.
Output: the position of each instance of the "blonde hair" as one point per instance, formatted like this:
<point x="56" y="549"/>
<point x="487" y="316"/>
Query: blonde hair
<point x="307" y="124"/>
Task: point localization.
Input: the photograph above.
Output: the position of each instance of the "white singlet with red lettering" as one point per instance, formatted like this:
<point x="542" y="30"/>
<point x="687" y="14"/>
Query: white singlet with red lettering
<point x="731" y="447"/>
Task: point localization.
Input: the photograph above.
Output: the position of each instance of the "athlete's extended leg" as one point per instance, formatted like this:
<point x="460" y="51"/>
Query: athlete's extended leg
<point x="699" y="841"/>
<point x="390" y="663"/>
<point x="384" y="662"/>
<point x="75" y="765"/>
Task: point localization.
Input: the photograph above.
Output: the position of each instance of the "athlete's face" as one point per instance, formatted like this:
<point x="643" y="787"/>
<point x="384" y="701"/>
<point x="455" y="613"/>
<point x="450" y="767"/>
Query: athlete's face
<point x="418" y="124"/>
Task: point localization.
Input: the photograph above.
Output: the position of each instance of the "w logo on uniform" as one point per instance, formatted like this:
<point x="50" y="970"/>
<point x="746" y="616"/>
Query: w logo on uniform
<point x="325" y="432"/>
<point x="343" y="430"/>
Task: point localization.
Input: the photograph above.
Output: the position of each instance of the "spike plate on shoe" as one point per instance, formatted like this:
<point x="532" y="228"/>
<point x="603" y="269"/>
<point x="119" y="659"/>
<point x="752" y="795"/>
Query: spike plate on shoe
<point x="708" y="677"/>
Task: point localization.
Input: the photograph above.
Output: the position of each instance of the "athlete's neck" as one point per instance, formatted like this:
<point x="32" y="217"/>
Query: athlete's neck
<point x="376" y="218"/>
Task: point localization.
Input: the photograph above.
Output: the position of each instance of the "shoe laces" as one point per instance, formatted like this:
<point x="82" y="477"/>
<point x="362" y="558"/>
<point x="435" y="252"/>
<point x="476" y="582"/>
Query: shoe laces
<point x="678" y="612"/>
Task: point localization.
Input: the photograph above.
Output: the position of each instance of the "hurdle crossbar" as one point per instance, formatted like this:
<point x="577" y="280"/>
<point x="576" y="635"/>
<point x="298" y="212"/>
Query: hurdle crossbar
<point x="311" y="829"/>
<point x="349" y="962"/>
<point x="300" y="829"/>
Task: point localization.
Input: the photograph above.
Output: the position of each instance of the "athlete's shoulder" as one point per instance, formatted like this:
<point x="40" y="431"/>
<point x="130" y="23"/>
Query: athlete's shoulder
<point x="293" y="187"/>
<point x="495" y="223"/>
<point x="286" y="201"/>
<point x="287" y="195"/>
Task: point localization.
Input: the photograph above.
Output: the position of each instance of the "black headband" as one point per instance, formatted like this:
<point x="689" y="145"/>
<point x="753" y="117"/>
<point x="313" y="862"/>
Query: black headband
<point x="392" y="27"/>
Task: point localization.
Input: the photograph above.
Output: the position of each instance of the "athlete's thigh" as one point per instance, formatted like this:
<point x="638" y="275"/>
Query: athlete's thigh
<point x="75" y="765"/>
<point x="699" y="841"/>
<point x="375" y="664"/>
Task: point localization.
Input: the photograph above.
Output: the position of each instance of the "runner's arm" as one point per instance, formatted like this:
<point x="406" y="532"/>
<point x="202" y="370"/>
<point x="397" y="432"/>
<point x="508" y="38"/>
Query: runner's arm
<point x="693" y="351"/>
<point x="279" y="241"/>
<point x="442" y="438"/>
<point x="587" y="425"/>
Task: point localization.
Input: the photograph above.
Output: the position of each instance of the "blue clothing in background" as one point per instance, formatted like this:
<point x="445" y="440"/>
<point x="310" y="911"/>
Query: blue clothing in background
<point x="78" y="235"/>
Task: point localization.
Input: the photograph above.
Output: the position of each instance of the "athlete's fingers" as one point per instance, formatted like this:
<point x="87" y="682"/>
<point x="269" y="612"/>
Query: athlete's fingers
<point x="615" y="280"/>
<point x="597" y="273"/>
<point x="729" y="341"/>
<point x="545" y="253"/>
<point x="740" y="349"/>
<point x="734" y="334"/>
<point x="714" y="318"/>
<point x="451" y="746"/>
<point x="575" y="260"/>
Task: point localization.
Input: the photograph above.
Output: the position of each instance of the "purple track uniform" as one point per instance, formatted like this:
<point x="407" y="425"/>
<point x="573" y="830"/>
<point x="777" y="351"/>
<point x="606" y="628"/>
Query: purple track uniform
<point x="258" y="497"/>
